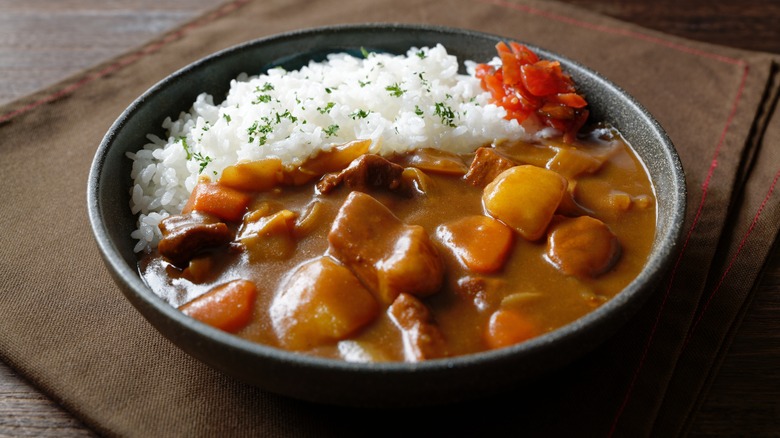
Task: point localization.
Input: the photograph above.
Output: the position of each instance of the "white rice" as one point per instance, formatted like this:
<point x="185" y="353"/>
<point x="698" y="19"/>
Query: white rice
<point x="399" y="102"/>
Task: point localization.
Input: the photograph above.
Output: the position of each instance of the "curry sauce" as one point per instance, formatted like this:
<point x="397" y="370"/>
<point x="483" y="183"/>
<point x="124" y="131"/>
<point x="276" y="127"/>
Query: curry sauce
<point x="442" y="270"/>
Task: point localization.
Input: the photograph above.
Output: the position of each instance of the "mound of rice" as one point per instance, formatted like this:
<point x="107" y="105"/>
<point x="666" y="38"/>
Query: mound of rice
<point x="399" y="102"/>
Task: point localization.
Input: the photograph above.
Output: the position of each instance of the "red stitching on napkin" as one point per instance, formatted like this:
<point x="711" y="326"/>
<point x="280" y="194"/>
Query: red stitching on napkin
<point x="704" y="190"/>
<point x="734" y="257"/>
<point x="126" y="60"/>
<point x="710" y="172"/>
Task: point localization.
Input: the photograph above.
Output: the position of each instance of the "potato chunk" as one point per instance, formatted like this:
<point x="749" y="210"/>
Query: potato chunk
<point x="526" y="153"/>
<point x="336" y="158"/>
<point x="415" y="182"/>
<point x="321" y="302"/>
<point x="582" y="246"/>
<point x="480" y="243"/>
<point x="269" y="237"/>
<point x="387" y="255"/>
<point x="571" y="162"/>
<point x="260" y="175"/>
<point x="525" y="198"/>
<point x="333" y="160"/>
<point x="362" y="351"/>
<point x="433" y="161"/>
<point x="605" y="201"/>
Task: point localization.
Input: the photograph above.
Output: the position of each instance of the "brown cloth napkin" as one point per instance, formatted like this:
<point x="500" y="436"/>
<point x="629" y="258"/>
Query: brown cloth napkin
<point x="67" y="328"/>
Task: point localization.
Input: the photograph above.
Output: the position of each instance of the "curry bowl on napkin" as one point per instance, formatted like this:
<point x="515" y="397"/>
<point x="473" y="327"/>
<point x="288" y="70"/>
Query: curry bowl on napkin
<point x="315" y="360"/>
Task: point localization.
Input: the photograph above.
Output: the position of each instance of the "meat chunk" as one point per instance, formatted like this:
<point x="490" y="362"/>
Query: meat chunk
<point x="487" y="165"/>
<point x="387" y="255"/>
<point x="321" y="302"/>
<point x="484" y="292"/>
<point x="582" y="246"/>
<point x="366" y="172"/>
<point x="188" y="235"/>
<point x="422" y="337"/>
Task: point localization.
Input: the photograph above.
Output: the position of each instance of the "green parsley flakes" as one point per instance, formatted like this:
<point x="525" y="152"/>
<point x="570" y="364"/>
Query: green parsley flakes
<point x="331" y="130"/>
<point x="286" y="114"/>
<point x="359" y="114"/>
<point x="186" y="147"/>
<point x="445" y="113"/>
<point x="395" y="90"/>
<point x="326" y="108"/>
<point x="262" y="98"/>
<point x="260" y="131"/>
<point x="203" y="161"/>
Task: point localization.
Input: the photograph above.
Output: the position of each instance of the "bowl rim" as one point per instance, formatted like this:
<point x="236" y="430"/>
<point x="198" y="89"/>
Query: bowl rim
<point x="143" y="296"/>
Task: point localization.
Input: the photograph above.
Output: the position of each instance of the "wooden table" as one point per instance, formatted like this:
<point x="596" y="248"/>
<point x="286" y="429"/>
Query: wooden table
<point x="44" y="41"/>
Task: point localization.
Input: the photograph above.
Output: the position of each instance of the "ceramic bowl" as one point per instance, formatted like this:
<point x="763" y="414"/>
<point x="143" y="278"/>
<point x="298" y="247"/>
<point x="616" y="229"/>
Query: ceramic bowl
<point x="384" y="384"/>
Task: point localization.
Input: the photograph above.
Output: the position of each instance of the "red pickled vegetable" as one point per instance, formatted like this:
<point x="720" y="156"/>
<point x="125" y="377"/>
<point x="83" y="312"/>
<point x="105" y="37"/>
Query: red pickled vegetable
<point x="529" y="87"/>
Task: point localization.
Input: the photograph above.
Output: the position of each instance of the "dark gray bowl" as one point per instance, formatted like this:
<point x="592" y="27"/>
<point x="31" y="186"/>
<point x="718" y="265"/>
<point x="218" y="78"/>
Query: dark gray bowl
<point x="330" y="381"/>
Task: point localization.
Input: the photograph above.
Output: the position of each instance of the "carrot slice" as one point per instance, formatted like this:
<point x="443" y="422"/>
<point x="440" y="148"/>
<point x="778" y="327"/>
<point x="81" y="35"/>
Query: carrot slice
<point x="225" y="203"/>
<point x="481" y="243"/>
<point x="227" y="307"/>
<point x="507" y="327"/>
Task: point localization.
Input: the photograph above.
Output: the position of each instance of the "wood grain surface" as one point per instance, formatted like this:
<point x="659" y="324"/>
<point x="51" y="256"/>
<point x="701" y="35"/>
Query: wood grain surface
<point x="44" y="41"/>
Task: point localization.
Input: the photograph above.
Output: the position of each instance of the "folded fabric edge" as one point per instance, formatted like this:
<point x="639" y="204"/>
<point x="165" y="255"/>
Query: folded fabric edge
<point x="700" y="397"/>
<point x="689" y="386"/>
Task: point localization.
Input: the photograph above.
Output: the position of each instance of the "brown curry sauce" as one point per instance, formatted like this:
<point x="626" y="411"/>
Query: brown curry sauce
<point x="530" y="293"/>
